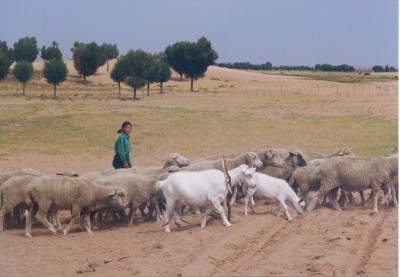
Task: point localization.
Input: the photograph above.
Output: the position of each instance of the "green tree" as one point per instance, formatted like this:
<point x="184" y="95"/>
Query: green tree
<point x="177" y="56"/>
<point x="4" y="65"/>
<point x="118" y="75"/>
<point x="111" y="52"/>
<point x="7" y="52"/>
<point x="378" y="68"/>
<point x="200" y="56"/>
<point x="87" y="58"/>
<point x="51" y="52"/>
<point x="26" y="49"/>
<point x="135" y="65"/>
<point x="55" y="71"/>
<point x="163" y="73"/>
<point x="23" y="71"/>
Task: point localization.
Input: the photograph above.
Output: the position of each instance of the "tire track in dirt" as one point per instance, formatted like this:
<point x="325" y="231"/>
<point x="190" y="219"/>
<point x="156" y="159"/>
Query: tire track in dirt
<point x="240" y="242"/>
<point x="364" y="245"/>
<point x="264" y="240"/>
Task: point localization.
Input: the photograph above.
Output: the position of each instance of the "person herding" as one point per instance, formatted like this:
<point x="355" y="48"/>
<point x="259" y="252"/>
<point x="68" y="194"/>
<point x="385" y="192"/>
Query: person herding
<point x="122" y="147"/>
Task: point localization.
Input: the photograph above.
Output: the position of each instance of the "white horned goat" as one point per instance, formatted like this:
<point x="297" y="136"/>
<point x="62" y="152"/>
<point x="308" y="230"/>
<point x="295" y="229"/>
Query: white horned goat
<point x="66" y="193"/>
<point x="277" y="189"/>
<point x="201" y="189"/>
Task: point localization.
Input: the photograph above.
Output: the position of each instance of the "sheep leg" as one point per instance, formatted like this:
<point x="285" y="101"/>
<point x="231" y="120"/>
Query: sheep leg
<point x="285" y="208"/>
<point x="57" y="219"/>
<point x="321" y="192"/>
<point x="87" y="219"/>
<point x="29" y="220"/>
<point x="387" y="191"/>
<point x="158" y="213"/>
<point x="375" y="192"/>
<point x="394" y="196"/>
<point x="220" y="210"/>
<point x="364" y="203"/>
<point x="42" y="216"/>
<point x="3" y="211"/>
<point x="75" y="214"/>
<point x="249" y="196"/>
<point x="332" y="196"/>
<point x="131" y="214"/>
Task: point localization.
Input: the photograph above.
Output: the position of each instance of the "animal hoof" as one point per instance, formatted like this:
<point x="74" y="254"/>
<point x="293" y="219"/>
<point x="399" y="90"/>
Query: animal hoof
<point x="202" y="225"/>
<point x="28" y="235"/>
<point x="228" y="225"/>
<point x="178" y="224"/>
<point x="89" y="232"/>
<point x="166" y="229"/>
<point x="51" y="229"/>
<point x="65" y="232"/>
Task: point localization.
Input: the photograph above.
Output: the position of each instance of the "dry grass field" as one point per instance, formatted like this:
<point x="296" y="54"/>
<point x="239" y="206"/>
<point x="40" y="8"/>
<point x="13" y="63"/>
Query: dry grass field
<point x="232" y="111"/>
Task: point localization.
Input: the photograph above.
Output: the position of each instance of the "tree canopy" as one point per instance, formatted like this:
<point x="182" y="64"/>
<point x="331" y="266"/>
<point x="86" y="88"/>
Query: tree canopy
<point x="135" y="66"/>
<point x="111" y="52"/>
<point x="191" y="58"/>
<point x="7" y="52"/>
<point x="51" y="52"/>
<point x="87" y="58"/>
<point x="55" y="71"/>
<point x="4" y="65"/>
<point x="26" y="49"/>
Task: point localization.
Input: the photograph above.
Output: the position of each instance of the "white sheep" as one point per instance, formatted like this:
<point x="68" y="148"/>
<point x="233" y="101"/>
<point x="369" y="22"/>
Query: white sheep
<point x="140" y="191"/>
<point x="171" y="164"/>
<point x="201" y="189"/>
<point x="277" y="189"/>
<point x="343" y="151"/>
<point x="66" y="193"/>
<point x="355" y="174"/>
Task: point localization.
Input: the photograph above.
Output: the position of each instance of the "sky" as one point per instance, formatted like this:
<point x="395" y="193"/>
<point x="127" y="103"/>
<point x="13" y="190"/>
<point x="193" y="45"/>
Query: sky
<point x="283" y="32"/>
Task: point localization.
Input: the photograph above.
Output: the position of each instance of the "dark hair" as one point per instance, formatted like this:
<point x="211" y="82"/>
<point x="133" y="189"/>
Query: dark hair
<point x="126" y="123"/>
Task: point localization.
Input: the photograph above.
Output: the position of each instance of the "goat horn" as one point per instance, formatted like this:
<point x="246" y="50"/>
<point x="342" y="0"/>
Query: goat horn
<point x="249" y="160"/>
<point x="227" y="177"/>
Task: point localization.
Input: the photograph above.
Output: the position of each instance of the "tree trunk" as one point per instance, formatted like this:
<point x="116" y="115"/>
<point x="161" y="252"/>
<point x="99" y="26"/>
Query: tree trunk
<point x="84" y="79"/>
<point x="181" y="76"/>
<point x="161" y="91"/>
<point x="191" y="84"/>
<point x="107" y="65"/>
<point x="148" y="89"/>
<point x="134" y="92"/>
<point x="55" y="91"/>
<point x="119" y="89"/>
<point x="23" y="88"/>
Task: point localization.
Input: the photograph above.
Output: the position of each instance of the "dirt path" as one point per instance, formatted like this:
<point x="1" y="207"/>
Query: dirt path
<point x="322" y="242"/>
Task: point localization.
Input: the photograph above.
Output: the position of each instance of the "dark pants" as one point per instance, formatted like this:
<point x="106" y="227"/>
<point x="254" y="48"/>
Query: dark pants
<point x="117" y="162"/>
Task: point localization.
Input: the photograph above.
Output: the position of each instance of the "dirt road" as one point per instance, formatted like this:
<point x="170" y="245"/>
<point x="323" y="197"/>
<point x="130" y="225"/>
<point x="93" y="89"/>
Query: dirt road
<point x="322" y="242"/>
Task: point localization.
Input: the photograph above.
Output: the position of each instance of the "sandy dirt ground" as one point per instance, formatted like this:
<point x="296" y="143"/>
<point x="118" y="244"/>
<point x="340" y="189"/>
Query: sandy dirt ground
<point x="322" y="242"/>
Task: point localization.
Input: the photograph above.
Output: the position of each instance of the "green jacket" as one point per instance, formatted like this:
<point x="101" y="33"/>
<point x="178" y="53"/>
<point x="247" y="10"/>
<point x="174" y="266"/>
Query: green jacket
<point x="123" y="147"/>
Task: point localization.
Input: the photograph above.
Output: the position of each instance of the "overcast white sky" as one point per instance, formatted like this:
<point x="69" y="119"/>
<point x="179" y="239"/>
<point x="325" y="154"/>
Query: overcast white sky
<point x="284" y="32"/>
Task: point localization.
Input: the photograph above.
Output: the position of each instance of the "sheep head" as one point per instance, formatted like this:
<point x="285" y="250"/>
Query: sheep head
<point x="271" y="158"/>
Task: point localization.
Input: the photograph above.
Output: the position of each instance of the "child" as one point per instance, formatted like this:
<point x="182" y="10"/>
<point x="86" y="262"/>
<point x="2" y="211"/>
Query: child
<point x="123" y="147"/>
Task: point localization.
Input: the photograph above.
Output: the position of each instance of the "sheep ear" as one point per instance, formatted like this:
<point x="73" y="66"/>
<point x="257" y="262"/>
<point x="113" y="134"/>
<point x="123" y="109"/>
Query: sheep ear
<point x="301" y="200"/>
<point x="75" y="175"/>
<point x="292" y="154"/>
<point x="112" y="193"/>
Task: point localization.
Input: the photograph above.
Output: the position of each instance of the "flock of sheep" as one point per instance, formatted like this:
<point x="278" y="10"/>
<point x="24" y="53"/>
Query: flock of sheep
<point x="210" y="184"/>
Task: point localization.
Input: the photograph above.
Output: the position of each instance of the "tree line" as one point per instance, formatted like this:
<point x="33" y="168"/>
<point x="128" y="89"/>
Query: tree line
<point x="317" y="67"/>
<point x="136" y="68"/>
